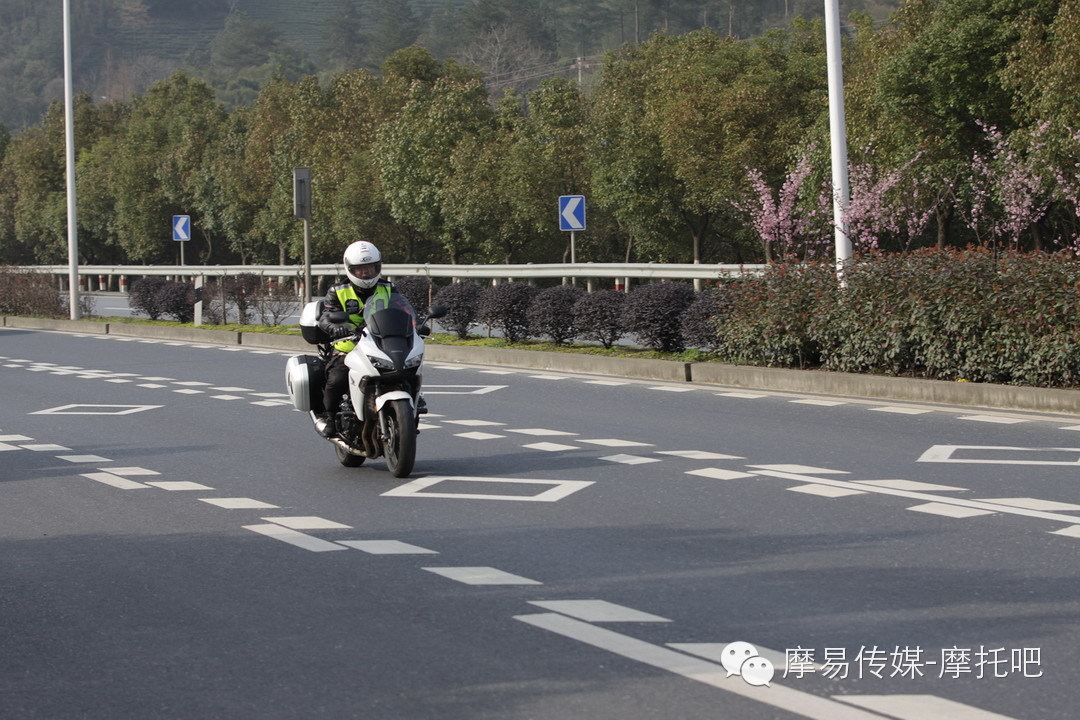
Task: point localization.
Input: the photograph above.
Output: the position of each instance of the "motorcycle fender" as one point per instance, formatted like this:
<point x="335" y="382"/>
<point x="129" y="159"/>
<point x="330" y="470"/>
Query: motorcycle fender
<point x="392" y="395"/>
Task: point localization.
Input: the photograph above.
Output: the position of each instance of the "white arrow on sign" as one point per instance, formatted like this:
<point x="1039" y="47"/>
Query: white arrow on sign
<point x="568" y="213"/>
<point x="180" y="231"/>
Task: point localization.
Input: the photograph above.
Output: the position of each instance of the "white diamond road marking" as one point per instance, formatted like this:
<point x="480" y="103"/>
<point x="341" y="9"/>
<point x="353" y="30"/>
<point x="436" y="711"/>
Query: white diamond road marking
<point x="294" y="537"/>
<point x="825" y="490"/>
<point x="237" y="503"/>
<point x="84" y="459"/>
<point x="720" y="474"/>
<point x="699" y="455"/>
<point x="806" y="469"/>
<point x="630" y="459"/>
<point x="152" y="386"/>
<point x="174" y="485"/>
<point x="271" y="403"/>
<point x="551" y="447"/>
<point x="229" y="389"/>
<point x="908" y="485"/>
<point x="944" y="454"/>
<point x="307" y="522"/>
<point x="478" y="436"/>
<point x="1033" y="504"/>
<point x="614" y="442"/>
<point x="96" y="409"/>
<point x="992" y="419"/>
<point x="114" y="480"/>
<point x="900" y="410"/>
<point x="952" y="511"/>
<point x="190" y="383"/>
<point x="387" y="547"/>
<point x="557" y="489"/>
<point x="118" y="381"/>
<point x="473" y="423"/>
<point x="481" y="576"/>
<point x="539" y="431"/>
<point x="598" y="611"/>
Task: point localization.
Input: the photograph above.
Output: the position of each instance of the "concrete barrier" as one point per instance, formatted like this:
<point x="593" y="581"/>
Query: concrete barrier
<point x="98" y="328"/>
<point x="564" y="362"/>
<point x="169" y="332"/>
<point x="278" y="342"/>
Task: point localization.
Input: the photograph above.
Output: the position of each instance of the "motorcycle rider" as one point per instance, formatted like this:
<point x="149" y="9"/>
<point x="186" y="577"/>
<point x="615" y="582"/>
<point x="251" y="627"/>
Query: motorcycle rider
<point x="363" y="267"/>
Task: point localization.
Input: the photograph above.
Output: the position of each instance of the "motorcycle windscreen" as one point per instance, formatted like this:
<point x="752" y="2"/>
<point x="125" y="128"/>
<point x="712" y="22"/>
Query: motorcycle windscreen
<point x="390" y="323"/>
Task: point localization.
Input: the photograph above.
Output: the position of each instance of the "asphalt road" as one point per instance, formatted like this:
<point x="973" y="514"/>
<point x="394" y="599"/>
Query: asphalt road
<point x="177" y="542"/>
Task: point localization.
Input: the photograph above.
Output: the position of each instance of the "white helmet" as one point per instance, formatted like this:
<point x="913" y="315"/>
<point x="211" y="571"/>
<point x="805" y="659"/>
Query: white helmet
<point x="363" y="264"/>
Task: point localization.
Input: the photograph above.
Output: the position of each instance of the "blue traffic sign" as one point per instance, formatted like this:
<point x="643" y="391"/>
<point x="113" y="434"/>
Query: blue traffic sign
<point x="572" y="212"/>
<point x="181" y="227"/>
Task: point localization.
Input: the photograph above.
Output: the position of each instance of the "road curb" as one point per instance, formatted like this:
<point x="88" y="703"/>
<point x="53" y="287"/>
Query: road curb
<point x="822" y="382"/>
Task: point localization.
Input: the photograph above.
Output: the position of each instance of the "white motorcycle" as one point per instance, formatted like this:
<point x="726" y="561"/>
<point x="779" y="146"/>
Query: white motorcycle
<point x="380" y="414"/>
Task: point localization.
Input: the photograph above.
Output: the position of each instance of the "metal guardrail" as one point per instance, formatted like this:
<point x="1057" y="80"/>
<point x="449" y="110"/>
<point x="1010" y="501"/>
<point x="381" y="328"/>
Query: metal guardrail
<point x="624" y="271"/>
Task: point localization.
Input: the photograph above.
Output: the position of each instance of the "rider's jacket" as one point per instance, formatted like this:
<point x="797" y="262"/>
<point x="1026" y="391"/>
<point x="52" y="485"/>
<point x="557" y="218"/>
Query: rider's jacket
<point x="346" y="297"/>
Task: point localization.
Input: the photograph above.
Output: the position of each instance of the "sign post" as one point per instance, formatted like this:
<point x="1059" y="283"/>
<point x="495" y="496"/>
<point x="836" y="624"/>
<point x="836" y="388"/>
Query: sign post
<point x="302" y="209"/>
<point x="181" y="232"/>
<point x="572" y="218"/>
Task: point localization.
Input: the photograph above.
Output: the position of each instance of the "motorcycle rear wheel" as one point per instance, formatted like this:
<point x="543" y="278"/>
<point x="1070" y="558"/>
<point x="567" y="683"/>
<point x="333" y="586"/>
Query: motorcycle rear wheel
<point x="399" y="446"/>
<point x="347" y="458"/>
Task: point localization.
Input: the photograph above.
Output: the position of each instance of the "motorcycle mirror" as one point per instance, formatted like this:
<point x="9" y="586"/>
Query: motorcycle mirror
<point x="424" y="330"/>
<point x="436" y="311"/>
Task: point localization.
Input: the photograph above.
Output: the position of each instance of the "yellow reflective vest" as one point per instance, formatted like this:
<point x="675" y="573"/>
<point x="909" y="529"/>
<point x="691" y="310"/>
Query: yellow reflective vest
<point x="348" y="292"/>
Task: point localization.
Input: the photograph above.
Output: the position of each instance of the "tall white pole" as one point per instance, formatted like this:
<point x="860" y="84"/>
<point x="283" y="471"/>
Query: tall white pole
<point x="838" y="136"/>
<point x="69" y="139"/>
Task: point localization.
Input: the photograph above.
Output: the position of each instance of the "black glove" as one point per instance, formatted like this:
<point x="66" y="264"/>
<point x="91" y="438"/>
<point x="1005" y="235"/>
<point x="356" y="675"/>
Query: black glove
<point x="339" y="330"/>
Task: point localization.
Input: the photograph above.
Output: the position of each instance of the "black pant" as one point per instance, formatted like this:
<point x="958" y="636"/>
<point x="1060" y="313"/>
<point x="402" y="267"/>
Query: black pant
<point x="337" y="382"/>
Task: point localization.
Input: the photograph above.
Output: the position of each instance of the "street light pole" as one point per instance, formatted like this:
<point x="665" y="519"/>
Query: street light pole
<point x="69" y="141"/>
<point x="838" y="138"/>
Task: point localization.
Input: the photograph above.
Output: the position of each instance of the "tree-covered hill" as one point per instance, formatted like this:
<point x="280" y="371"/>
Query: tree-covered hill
<point x="122" y="47"/>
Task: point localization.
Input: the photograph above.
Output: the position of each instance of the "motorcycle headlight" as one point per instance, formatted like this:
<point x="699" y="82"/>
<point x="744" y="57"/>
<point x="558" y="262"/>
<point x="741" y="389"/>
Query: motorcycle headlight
<point x="380" y="363"/>
<point x="414" y="361"/>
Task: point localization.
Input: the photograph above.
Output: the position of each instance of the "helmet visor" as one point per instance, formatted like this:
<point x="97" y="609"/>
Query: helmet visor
<point x="366" y="271"/>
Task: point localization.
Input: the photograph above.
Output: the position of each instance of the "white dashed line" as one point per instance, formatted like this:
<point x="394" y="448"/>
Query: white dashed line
<point x="825" y="490"/>
<point x="387" y="547"/>
<point x="293" y="537"/>
<point x="481" y="576"/>
<point x="478" y="436"/>
<point x="551" y="447"/>
<point x="720" y="474"/>
<point x="238" y="503"/>
<point x="307" y="522"/>
<point x="629" y="459"/>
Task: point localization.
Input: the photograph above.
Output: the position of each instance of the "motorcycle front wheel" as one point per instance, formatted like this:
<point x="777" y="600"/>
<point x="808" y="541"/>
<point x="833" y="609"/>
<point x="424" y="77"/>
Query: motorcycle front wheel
<point x="399" y="446"/>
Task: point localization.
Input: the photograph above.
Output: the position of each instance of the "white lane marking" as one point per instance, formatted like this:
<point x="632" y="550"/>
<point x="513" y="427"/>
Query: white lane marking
<point x="1034" y="504"/>
<point x="821" y="403"/>
<point x="1071" y="531"/>
<point x="550" y="447"/>
<point x="191" y="383"/>
<point x="615" y="442"/>
<point x="271" y="395"/>
<point x="715" y="652"/>
<point x="238" y="503"/>
<point x="919" y="707"/>
<point x="926" y="497"/>
<point x="46" y="447"/>
<point x="699" y="455"/>
<point x="152" y="386"/>
<point x="935" y="508"/>
<point x="944" y="454"/>
<point x="5" y="446"/>
<point x="154" y="378"/>
<point x="226" y="397"/>
<point x="605" y="382"/>
<point x="427" y="426"/>
<point x="804" y="469"/>
<point x="549" y="377"/>
<point x="796" y="701"/>
<point x="630" y="459"/>
<point x="118" y="381"/>
<point x="114" y="480"/>
<point x="747" y="396"/>
<point x="189" y="391"/>
<point x="231" y="389"/>
<point x="271" y="403"/>
<point x="490" y="372"/>
<point x="908" y="485"/>
<point x="14" y="438"/>
<point x="307" y="522"/>
<point x="293" y="537"/>
<point x="719" y="474"/>
<point x="462" y="389"/>
<point x="473" y="423"/>
<point x="900" y="410"/>
<point x="481" y="576"/>
<point x="387" y="547"/>
<point x="179" y="485"/>
<point x="598" y="611"/>
<point x="478" y="436"/>
<point x="84" y="459"/>
<point x="673" y="388"/>
<point x="557" y="490"/>
<point x="825" y="490"/>
<point x="992" y="419"/>
<point x="539" y="431"/>
<point x="1070" y="427"/>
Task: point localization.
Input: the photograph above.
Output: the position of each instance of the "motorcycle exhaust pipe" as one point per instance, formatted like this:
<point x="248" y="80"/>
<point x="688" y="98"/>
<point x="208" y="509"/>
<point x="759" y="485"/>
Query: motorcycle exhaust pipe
<point x="347" y="448"/>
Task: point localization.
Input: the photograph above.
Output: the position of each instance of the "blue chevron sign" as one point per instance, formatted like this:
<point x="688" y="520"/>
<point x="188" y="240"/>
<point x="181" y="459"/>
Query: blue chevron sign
<point x="572" y="212"/>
